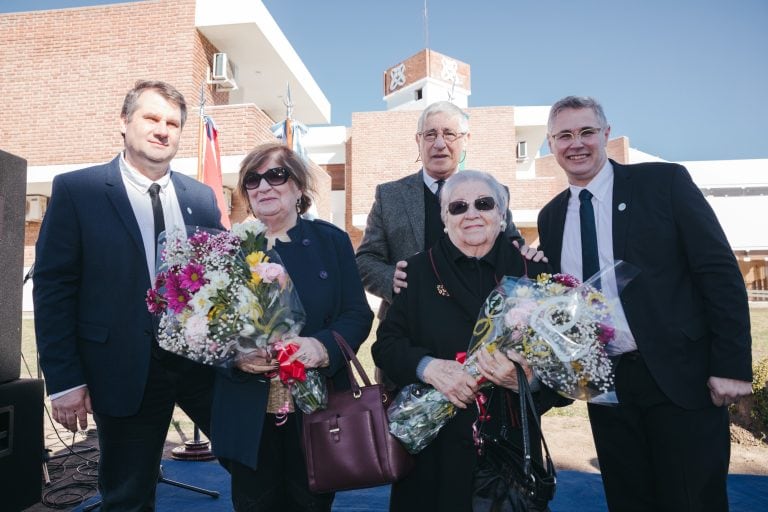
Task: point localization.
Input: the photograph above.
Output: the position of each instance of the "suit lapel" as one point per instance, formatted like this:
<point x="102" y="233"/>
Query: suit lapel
<point x="117" y="194"/>
<point x="557" y="228"/>
<point x="622" y="208"/>
<point x="412" y="197"/>
<point x="184" y="199"/>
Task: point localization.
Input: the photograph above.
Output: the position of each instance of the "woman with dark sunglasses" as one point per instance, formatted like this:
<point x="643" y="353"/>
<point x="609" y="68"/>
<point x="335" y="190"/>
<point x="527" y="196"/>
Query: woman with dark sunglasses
<point x="252" y="432"/>
<point x="432" y="320"/>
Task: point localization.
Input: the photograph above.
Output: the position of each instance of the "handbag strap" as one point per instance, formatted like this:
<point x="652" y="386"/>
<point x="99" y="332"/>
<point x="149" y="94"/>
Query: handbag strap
<point x="526" y="404"/>
<point x="350" y="358"/>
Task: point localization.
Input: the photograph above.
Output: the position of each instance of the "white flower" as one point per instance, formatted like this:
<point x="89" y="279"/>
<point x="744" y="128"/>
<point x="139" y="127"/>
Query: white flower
<point x="196" y="331"/>
<point x="218" y="280"/>
<point x="241" y="229"/>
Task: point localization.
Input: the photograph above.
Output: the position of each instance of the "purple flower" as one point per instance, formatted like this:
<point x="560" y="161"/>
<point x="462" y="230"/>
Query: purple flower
<point x="192" y="277"/>
<point x="566" y="280"/>
<point x="155" y="302"/>
<point x="175" y="294"/>
<point x="605" y="333"/>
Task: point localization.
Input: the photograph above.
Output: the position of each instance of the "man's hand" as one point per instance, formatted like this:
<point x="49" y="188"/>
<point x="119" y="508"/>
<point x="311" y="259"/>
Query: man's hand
<point x="72" y="407"/>
<point x="530" y="253"/>
<point x="449" y="378"/>
<point x="398" y="281"/>
<point x="724" y="391"/>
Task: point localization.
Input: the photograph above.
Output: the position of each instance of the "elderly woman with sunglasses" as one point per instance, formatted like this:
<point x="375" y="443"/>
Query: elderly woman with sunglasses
<point x="257" y="439"/>
<point x="432" y="320"/>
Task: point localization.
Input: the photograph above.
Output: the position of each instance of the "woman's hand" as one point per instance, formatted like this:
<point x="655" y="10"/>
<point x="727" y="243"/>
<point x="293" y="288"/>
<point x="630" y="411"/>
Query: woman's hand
<point x="256" y="361"/>
<point x="499" y="368"/>
<point x="449" y="378"/>
<point x="311" y="353"/>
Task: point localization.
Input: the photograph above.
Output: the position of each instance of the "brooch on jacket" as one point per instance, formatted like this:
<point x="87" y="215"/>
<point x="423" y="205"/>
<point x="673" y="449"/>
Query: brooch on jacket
<point x="442" y="291"/>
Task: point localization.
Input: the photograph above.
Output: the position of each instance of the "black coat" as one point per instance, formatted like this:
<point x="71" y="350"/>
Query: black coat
<point x="422" y="322"/>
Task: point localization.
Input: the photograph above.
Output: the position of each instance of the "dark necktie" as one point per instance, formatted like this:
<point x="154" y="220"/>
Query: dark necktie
<point x="590" y="261"/>
<point x="157" y="209"/>
<point x="440" y="184"/>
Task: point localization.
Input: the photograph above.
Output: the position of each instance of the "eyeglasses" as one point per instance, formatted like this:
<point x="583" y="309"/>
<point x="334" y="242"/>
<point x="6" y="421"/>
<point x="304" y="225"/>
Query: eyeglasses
<point x="449" y="136"/>
<point x="482" y="204"/>
<point x="274" y="176"/>
<point x="587" y="134"/>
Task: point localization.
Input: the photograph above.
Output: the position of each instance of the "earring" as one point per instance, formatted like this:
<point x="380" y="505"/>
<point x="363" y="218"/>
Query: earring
<point x="503" y="225"/>
<point x="445" y="230"/>
<point x="298" y="205"/>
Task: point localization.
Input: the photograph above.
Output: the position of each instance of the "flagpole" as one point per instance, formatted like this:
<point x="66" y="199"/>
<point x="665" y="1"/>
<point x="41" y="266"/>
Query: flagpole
<point x="201" y="134"/>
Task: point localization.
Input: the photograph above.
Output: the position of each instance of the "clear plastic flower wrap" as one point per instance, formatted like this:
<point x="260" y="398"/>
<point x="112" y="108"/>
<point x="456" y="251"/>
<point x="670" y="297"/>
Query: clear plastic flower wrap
<point x="561" y="326"/>
<point x="417" y="414"/>
<point x="312" y="394"/>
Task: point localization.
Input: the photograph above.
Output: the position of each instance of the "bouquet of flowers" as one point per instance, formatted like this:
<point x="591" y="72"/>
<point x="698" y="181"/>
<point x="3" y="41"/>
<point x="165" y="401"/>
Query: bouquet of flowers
<point x="562" y="328"/>
<point x="219" y="294"/>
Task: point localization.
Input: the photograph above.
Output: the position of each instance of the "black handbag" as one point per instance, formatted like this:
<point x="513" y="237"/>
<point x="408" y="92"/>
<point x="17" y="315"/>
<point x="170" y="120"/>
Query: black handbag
<point x="506" y="478"/>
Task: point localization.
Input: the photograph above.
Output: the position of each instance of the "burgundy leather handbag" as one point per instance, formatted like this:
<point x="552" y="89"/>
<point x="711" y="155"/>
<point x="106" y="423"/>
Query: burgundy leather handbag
<point x="348" y="444"/>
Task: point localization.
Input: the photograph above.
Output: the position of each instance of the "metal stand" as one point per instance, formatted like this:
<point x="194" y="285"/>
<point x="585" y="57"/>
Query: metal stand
<point x="162" y="480"/>
<point x="196" y="449"/>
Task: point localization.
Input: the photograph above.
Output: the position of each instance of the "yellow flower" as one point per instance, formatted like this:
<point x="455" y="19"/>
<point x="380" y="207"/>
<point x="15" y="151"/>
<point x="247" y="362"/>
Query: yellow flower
<point x="255" y="258"/>
<point x="255" y="278"/>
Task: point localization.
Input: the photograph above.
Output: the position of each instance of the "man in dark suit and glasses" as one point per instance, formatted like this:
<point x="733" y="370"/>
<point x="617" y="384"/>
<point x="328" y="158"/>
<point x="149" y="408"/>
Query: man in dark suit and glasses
<point x="666" y="446"/>
<point x="95" y="261"/>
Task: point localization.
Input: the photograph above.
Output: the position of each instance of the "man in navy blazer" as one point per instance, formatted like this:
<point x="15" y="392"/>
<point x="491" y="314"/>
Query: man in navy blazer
<point x="666" y="446"/>
<point x="95" y="262"/>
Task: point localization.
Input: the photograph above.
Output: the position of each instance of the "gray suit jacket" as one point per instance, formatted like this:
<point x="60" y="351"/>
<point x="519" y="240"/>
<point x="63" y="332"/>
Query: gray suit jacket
<point x="394" y="231"/>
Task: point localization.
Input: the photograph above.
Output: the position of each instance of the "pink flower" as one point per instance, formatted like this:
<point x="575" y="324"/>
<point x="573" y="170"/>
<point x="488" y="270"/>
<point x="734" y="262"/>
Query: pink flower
<point x="192" y="277"/>
<point x="271" y="272"/>
<point x="520" y="314"/>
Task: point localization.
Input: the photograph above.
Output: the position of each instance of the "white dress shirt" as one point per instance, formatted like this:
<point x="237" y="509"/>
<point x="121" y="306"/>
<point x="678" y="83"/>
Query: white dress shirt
<point x="137" y="186"/>
<point x="601" y="188"/>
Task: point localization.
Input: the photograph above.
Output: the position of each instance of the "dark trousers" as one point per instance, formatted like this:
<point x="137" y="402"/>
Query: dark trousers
<point x="131" y="447"/>
<point x="280" y="481"/>
<point x="655" y="456"/>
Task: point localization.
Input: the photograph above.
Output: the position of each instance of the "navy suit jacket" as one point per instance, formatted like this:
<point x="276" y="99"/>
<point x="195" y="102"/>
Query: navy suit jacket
<point x="321" y="262"/>
<point x="90" y="281"/>
<point x="687" y="309"/>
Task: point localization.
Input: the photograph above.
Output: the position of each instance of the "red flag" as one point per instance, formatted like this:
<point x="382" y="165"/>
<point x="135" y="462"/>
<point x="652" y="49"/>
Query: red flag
<point x="209" y="165"/>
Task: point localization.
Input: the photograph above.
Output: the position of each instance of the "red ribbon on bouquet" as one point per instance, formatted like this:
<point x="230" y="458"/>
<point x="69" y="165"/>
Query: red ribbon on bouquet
<point x="292" y="371"/>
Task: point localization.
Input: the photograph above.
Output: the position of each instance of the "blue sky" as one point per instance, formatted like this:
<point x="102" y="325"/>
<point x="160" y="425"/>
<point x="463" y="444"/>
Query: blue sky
<point x="683" y="79"/>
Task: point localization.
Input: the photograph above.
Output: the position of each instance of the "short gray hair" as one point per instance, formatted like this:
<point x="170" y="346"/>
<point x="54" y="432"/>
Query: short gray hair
<point x="499" y="192"/>
<point x="445" y="107"/>
<point x="577" y="102"/>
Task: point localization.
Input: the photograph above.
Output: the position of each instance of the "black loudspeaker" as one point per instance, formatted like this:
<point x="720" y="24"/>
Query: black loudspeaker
<point x="21" y="443"/>
<point x="13" y="193"/>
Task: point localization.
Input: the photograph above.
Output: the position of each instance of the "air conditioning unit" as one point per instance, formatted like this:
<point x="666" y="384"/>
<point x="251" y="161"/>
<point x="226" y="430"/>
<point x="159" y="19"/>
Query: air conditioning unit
<point x="36" y="206"/>
<point x="522" y="150"/>
<point x="222" y="73"/>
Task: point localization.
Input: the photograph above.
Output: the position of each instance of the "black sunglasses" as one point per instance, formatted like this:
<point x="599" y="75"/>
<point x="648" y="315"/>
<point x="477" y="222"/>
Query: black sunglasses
<point x="274" y="176"/>
<point x="482" y="204"/>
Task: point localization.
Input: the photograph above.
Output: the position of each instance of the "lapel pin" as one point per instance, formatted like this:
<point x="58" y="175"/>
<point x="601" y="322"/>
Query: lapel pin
<point x="189" y="210"/>
<point x="622" y="207"/>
